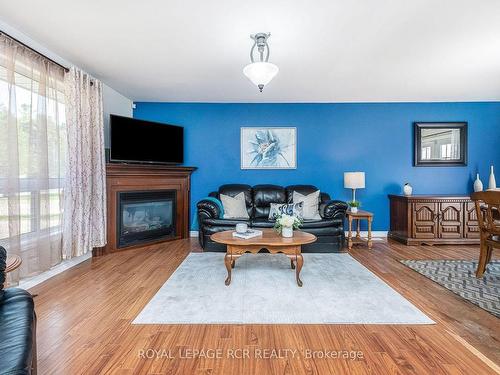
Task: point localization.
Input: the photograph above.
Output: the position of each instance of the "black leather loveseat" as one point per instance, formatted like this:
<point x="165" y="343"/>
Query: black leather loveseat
<point x="17" y="328"/>
<point x="329" y="230"/>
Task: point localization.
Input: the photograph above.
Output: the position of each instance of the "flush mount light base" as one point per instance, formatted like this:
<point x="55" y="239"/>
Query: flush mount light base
<point x="260" y="72"/>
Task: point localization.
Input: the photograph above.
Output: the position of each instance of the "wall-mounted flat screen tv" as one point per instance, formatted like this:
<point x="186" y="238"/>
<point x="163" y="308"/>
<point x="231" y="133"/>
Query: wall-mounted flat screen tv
<point x="139" y="141"/>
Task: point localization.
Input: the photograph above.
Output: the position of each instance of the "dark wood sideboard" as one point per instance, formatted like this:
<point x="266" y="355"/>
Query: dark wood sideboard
<point x="133" y="177"/>
<point x="433" y="219"/>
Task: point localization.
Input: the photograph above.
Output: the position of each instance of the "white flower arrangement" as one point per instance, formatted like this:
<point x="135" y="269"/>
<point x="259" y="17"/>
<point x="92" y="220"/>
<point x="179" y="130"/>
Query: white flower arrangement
<point x="287" y="221"/>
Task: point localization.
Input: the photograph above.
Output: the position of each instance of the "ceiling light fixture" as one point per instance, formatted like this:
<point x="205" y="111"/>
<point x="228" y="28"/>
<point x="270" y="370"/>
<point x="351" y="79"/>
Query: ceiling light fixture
<point x="260" y="72"/>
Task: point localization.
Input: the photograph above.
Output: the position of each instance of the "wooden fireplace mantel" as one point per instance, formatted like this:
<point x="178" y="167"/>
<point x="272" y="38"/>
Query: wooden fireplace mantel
<point x="140" y="177"/>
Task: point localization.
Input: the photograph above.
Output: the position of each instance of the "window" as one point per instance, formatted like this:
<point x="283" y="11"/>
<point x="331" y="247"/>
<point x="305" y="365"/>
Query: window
<point x="426" y="153"/>
<point x="446" y="151"/>
<point x="40" y="152"/>
<point x="32" y="156"/>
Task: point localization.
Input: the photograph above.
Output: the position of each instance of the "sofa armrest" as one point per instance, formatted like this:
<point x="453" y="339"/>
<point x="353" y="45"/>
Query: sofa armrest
<point x="333" y="209"/>
<point x="207" y="210"/>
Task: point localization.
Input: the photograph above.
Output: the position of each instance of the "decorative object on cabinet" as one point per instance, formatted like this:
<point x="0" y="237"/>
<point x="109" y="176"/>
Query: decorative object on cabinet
<point x="433" y="219"/>
<point x="492" y="181"/>
<point x="440" y="144"/>
<point x="407" y="189"/>
<point x="478" y="185"/>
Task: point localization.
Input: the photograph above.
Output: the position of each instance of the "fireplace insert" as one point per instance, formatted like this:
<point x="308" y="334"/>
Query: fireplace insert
<point x="145" y="216"/>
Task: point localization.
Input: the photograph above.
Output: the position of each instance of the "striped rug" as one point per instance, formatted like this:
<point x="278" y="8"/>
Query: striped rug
<point x="459" y="276"/>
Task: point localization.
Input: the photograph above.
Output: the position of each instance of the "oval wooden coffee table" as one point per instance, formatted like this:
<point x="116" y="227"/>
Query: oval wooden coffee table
<point x="269" y="240"/>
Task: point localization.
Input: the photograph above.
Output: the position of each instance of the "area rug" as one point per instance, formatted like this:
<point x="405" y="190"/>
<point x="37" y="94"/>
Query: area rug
<point x="337" y="289"/>
<point x="459" y="276"/>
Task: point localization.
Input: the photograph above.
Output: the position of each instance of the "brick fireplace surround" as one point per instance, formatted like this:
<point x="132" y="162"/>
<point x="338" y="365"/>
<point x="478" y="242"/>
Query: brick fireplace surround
<point x="138" y="177"/>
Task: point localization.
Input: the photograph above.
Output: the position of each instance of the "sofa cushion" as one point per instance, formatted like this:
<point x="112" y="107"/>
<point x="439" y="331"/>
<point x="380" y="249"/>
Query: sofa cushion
<point x="302" y="189"/>
<point x="234" y="207"/>
<point x="311" y="204"/>
<point x="234" y="189"/>
<point x="320" y="223"/>
<point x="264" y="195"/>
<point x="262" y="223"/>
<point x="224" y="222"/>
<point x="17" y="330"/>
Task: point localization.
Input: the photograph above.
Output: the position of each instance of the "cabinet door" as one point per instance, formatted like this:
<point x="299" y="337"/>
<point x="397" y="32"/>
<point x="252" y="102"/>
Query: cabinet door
<point x="424" y="220"/>
<point x="450" y="223"/>
<point x="471" y="225"/>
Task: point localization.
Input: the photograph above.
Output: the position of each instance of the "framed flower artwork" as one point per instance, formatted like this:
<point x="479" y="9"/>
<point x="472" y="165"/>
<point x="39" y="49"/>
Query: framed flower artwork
<point x="268" y="148"/>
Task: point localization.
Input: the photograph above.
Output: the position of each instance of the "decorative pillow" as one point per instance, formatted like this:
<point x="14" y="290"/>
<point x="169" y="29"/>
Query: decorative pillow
<point x="311" y="204"/>
<point x="234" y="208"/>
<point x="292" y="209"/>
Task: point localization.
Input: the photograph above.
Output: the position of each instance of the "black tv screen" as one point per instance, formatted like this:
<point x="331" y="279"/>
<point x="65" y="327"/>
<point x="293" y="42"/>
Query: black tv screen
<point x="139" y="141"/>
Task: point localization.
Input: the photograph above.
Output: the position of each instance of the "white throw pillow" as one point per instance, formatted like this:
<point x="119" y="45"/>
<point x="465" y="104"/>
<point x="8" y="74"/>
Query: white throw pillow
<point x="234" y="208"/>
<point x="311" y="204"/>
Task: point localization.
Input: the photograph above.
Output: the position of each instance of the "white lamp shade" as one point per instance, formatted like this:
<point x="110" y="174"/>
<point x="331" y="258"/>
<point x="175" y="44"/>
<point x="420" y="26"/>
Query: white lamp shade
<point x="354" y="180"/>
<point x="260" y="73"/>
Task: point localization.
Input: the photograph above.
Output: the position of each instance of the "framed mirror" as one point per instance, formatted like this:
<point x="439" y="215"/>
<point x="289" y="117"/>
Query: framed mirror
<point x="440" y="144"/>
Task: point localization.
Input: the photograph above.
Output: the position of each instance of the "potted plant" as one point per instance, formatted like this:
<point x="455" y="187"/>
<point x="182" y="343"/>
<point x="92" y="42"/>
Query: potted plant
<point x="285" y="224"/>
<point x="353" y="205"/>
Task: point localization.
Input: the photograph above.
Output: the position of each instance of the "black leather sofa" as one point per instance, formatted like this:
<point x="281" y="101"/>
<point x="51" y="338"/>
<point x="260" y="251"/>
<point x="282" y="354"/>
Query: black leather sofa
<point x="17" y="328"/>
<point x="329" y="230"/>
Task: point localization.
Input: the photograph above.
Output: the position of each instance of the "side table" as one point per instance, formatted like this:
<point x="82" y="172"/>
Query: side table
<point x="358" y="216"/>
<point x="13" y="263"/>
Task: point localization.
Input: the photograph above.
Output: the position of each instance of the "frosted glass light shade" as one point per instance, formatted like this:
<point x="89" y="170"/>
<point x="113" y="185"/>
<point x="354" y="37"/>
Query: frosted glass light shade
<point x="260" y="73"/>
<point x="354" y="180"/>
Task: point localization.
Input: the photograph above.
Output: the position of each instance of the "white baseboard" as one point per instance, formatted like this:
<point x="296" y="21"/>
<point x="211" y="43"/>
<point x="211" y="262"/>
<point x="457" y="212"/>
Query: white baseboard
<point x="375" y="233"/>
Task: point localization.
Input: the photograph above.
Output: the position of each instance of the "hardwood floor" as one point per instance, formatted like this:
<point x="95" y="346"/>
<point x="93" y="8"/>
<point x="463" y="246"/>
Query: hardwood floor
<point x="85" y="314"/>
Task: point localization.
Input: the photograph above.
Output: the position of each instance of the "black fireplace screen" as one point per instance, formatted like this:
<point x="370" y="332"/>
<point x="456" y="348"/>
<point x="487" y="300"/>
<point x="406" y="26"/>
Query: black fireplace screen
<point x="145" y="216"/>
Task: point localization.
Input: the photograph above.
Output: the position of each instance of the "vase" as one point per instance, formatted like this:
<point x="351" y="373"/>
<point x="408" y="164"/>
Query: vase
<point x="287" y="232"/>
<point x="407" y="189"/>
<point x="478" y="185"/>
<point x="492" y="183"/>
<point x="354" y="210"/>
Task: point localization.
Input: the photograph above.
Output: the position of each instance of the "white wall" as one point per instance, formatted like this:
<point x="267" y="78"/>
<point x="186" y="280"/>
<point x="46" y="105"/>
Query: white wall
<point x="113" y="101"/>
<point x="116" y="104"/>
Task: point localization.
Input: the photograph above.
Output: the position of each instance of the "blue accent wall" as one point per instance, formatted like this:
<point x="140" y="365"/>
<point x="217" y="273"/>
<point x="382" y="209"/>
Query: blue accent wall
<point x="331" y="139"/>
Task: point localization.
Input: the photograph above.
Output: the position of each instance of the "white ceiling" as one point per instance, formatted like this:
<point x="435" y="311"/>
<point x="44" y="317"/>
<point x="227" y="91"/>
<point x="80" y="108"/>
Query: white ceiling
<point x="327" y="50"/>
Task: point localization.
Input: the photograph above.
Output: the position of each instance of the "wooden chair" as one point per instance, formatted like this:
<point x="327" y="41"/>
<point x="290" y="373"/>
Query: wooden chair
<point x="488" y="215"/>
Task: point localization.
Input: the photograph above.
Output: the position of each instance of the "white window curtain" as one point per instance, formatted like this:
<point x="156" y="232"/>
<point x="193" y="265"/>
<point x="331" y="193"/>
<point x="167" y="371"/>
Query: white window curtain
<point x="85" y="191"/>
<point x="32" y="157"/>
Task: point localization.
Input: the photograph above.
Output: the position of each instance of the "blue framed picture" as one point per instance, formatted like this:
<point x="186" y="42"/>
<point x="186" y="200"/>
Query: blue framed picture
<point x="268" y="148"/>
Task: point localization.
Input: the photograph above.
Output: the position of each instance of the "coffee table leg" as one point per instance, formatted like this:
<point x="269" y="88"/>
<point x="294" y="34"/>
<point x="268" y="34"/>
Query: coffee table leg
<point x="300" y="262"/>
<point x="233" y="263"/>
<point x="292" y="264"/>
<point x="228" y="262"/>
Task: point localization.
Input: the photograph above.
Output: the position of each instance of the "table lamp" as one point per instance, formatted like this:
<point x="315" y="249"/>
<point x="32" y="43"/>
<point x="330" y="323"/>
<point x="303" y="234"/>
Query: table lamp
<point x="354" y="180"/>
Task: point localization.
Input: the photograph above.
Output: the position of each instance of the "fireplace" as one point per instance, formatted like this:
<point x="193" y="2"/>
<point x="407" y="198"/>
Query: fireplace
<point x="145" y="216"/>
<point x="146" y="205"/>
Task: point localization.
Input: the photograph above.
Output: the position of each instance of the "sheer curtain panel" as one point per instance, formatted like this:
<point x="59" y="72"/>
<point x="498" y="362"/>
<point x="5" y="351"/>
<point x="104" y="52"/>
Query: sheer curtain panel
<point x="85" y="191"/>
<point x="32" y="157"/>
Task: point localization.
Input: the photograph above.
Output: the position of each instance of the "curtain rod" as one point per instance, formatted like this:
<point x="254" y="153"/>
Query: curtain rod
<point x="34" y="50"/>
